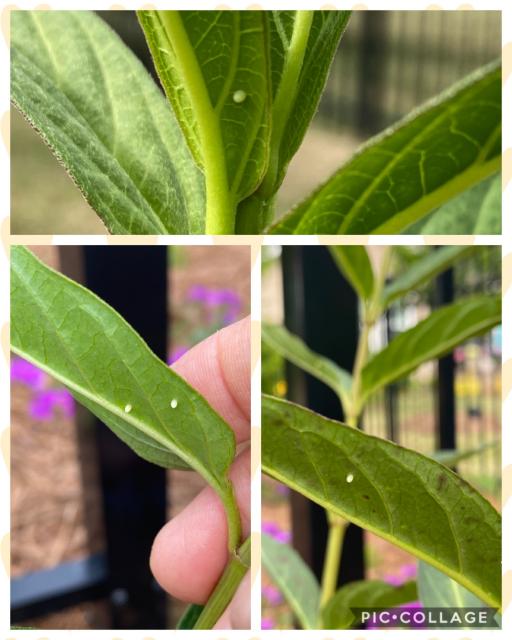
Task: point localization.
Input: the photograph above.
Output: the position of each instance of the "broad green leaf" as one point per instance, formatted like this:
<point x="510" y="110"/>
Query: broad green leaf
<point x="398" y="494"/>
<point x="296" y="351"/>
<point x="452" y="457"/>
<point x="477" y="210"/>
<point x="294" y="578"/>
<point x="354" y="263"/>
<point x="398" y="177"/>
<point x="442" y="331"/>
<point x="337" y="612"/>
<point x="423" y="270"/>
<point x="213" y="66"/>
<point x="78" y="339"/>
<point x="106" y="121"/>
<point x="438" y="590"/>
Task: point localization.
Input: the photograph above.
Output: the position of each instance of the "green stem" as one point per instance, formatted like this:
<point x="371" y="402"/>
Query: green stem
<point x="220" y="206"/>
<point x="233" y="518"/>
<point x="332" y="559"/>
<point x="223" y="593"/>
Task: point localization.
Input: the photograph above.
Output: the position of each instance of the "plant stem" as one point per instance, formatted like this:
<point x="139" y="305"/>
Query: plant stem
<point x="232" y="517"/>
<point x="332" y="558"/>
<point x="223" y="593"/>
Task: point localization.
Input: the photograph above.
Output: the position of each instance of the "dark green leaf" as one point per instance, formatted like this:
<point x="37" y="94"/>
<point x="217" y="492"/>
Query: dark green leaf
<point x="442" y="331"/>
<point x="337" y="612"/>
<point x="439" y="151"/>
<point x="74" y="336"/>
<point x="294" y="578"/>
<point x="98" y="109"/>
<point x="354" y="263"/>
<point x="296" y="351"/>
<point x="190" y="616"/>
<point x="423" y="270"/>
<point x="398" y="494"/>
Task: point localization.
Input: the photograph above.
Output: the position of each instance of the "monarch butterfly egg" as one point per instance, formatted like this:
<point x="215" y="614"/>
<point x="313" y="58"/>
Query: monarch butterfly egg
<point x="174" y="403"/>
<point x="128" y="408"/>
<point x="349" y="477"/>
<point x="239" y="96"/>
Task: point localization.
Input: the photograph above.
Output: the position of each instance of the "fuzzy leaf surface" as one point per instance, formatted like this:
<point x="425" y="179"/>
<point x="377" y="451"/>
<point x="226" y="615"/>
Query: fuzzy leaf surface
<point x="365" y="594"/>
<point x="294" y="579"/>
<point x="438" y="334"/>
<point x="78" y="339"/>
<point x="436" y="153"/>
<point x="106" y="121"/>
<point x="396" y="493"/>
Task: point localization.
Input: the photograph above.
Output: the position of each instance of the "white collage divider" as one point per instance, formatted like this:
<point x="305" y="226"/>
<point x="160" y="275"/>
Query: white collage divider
<point x="505" y="239"/>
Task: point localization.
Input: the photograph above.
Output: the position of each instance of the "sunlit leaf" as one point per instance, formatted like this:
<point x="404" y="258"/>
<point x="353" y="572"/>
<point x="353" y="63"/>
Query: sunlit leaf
<point x="354" y="263"/>
<point x="95" y="105"/>
<point x="436" y="153"/>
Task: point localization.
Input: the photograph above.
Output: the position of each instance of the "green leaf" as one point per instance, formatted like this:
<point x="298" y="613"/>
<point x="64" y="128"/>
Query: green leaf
<point x="355" y="265"/>
<point x="302" y="47"/>
<point x="106" y="121"/>
<point x="477" y="210"/>
<point x="442" y="331"/>
<point x="296" y="351"/>
<point x="398" y="494"/>
<point x="294" y="578"/>
<point x="337" y="612"/>
<point x="437" y="152"/>
<point x="452" y="457"/>
<point x="78" y="339"/>
<point x="423" y="270"/>
<point x="213" y="66"/>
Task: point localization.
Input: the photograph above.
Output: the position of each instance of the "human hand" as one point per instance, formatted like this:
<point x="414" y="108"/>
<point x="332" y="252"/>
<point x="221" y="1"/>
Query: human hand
<point x="190" y="552"/>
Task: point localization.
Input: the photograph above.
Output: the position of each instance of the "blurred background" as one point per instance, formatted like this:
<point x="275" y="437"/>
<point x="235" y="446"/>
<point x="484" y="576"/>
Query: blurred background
<point x="451" y="403"/>
<point x="388" y="63"/>
<point x="84" y="508"/>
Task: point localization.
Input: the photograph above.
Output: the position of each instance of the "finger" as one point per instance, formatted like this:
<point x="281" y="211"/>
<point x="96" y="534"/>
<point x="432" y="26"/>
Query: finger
<point x="190" y="552"/>
<point x="220" y="369"/>
<point x="238" y="613"/>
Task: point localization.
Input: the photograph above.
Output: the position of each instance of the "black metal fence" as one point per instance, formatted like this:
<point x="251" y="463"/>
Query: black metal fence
<point x="389" y="62"/>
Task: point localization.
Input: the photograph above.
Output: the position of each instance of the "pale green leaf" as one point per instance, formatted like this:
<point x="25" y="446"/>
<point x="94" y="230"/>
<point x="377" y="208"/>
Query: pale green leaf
<point x="423" y="270"/>
<point x="365" y="594"/>
<point x="74" y="336"/>
<point x="213" y="66"/>
<point x="477" y="210"/>
<point x="434" y="154"/>
<point x="296" y="351"/>
<point x="354" y="263"/>
<point x="107" y="122"/>
<point x="438" y="334"/>
<point x="396" y="493"/>
<point x="294" y="579"/>
<point x="452" y="457"/>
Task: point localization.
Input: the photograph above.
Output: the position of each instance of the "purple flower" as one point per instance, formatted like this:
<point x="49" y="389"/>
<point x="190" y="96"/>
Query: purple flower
<point x="176" y="354"/>
<point x="282" y="489"/>
<point x="406" y="572"/>
<point x="272" y="595"/>
<point x="273" y="530"/>
<point x="45" y="404"/>
<point x="214" y="298"/>
<point x="27" y="373"/>
<point x="267" y="623"/>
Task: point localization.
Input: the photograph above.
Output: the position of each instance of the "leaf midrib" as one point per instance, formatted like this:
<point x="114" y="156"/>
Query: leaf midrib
<point x="99" y="399"/>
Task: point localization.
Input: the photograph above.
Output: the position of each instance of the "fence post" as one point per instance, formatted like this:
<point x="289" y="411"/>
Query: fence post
<point x="322" y="308"/>
<point x="446" y="375"/>
<point x="133" y="280"/>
